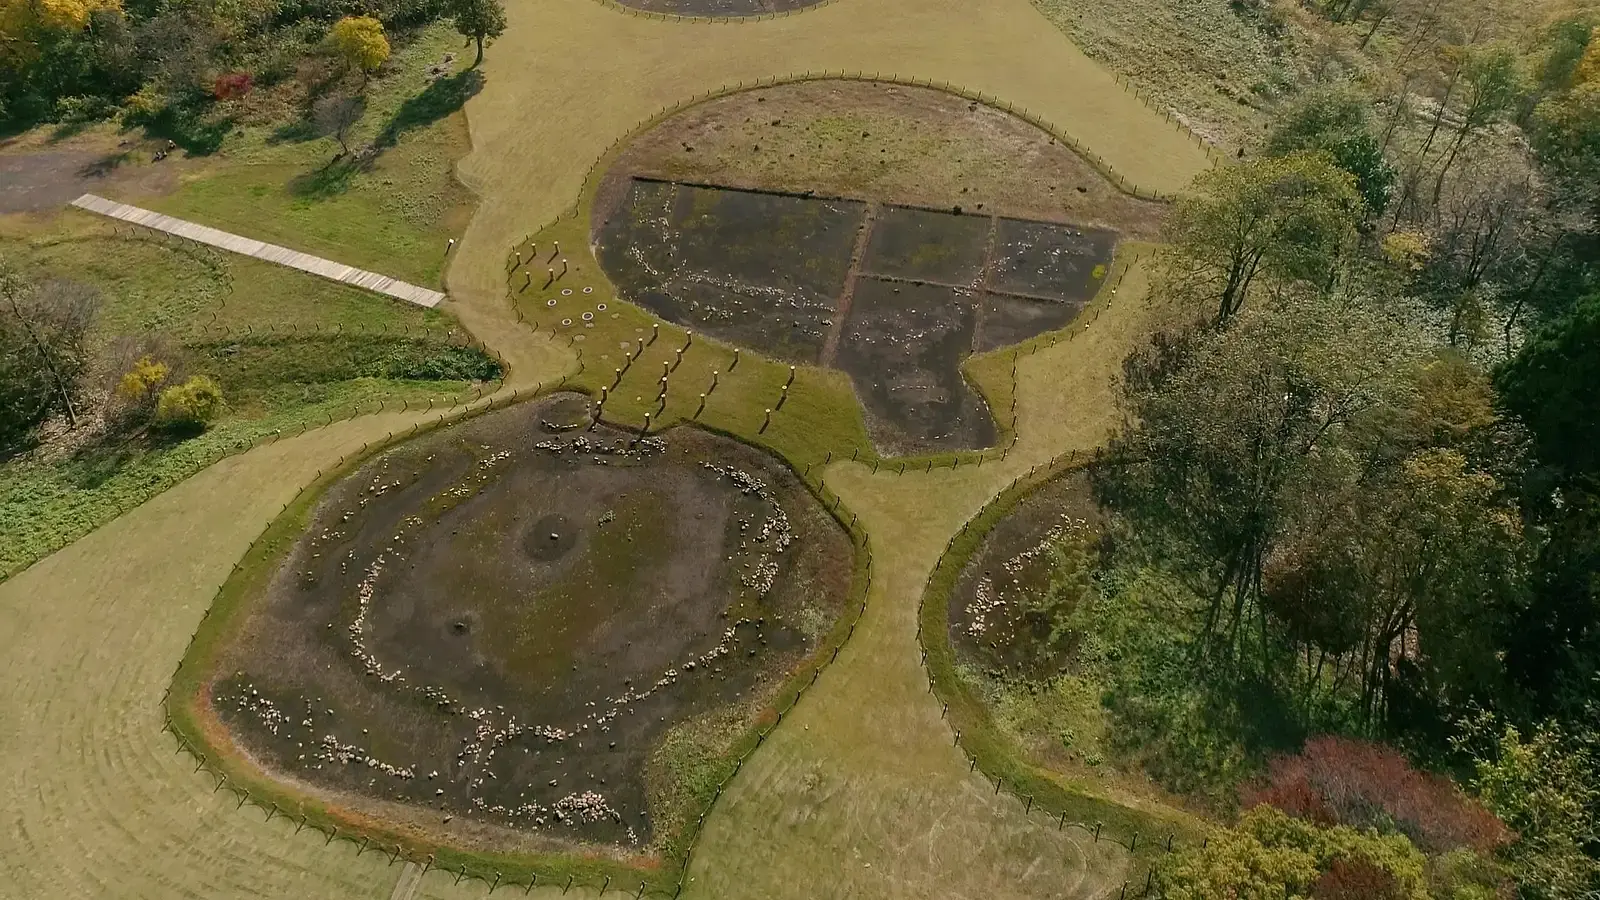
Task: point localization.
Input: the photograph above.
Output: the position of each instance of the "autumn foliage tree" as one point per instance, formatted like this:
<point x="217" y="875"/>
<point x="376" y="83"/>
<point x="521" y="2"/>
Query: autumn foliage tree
<point x="1342" y="781"/>
<point x="360" y="44"/>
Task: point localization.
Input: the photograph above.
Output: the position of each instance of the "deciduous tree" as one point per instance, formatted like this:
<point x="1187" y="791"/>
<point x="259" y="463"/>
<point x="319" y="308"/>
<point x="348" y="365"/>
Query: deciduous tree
<point x="480" y="20"/>
<point x="360" y="43"/>
<point x="44" y="331"/>
<point x="1286" y="219"/>
<point x="1338" y="121"/>
<point x="335" y="114"/>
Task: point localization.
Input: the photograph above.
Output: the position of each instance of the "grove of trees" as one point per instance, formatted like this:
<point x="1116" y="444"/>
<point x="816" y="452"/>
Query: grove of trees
<point x="1360" y="489"/>
<point x="172" y="65"/>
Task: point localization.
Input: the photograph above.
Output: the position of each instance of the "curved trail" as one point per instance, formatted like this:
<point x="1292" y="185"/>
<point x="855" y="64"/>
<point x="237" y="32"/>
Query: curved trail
<point x="860" y="794"/>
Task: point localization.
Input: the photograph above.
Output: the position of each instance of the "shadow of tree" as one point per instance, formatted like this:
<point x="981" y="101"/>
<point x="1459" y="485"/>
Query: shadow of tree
<point x="197" y="133"/>
<point x="438" y="100"/>
<point x="441" y="98"/>
<point x="332" y="179"/>
<point x="297" y="131"/>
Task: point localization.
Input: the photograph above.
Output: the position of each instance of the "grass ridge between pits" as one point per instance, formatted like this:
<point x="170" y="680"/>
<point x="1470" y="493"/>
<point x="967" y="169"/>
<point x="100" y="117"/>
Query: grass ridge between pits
<point x="197" y="732"/>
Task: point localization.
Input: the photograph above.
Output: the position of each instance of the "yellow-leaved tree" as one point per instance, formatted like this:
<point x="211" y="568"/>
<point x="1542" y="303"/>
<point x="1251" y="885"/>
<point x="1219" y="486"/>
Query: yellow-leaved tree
<point x="20" y="20"/>
<point x="359" y="41"/>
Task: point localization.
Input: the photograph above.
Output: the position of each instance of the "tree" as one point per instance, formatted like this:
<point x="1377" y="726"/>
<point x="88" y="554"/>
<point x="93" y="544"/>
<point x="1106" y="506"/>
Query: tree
<point x="190" y="406"/>
<point x="1546" y="786"/>
<point x="21" y="23"/>
<point x="335" y="115"/>
<point x="1287" y="218"/>
<point x="1232" y="432"/>
<point x="359" y="42"/>
<point x="1493" y="80"/>
<point x="43" y="351"/>
<point x="1338" y="121"/>
<point x="479" y="20"/>
<point x="1551" y="385"/>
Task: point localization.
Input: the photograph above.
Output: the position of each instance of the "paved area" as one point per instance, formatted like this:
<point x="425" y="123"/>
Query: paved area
<point x="272" y="253"/>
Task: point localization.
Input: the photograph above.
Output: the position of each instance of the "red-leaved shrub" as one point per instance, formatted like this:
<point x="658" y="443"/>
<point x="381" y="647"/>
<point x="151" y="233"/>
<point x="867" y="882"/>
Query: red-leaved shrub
<point x="1356" y="879"/>
<point x="232" y="86"/>
<point x="1363" y="784"/>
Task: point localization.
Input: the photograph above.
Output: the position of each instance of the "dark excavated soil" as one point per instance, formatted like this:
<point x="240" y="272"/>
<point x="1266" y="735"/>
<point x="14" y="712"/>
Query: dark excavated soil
<point x="773" y="272"/>
<point x="500" y="620"/>
<point x="903" y="345"/>
<point x="988" y="626"/>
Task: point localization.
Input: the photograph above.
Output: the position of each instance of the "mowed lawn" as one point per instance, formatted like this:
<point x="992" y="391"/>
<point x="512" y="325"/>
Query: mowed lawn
<point x="861" y="793"/>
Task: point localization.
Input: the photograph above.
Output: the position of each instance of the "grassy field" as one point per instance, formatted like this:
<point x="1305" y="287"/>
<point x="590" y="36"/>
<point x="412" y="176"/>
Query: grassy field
<point x="202" y="301"/>
<point x="281" y="184"/>
<point x="861" y="792"/>
<point x="192" y="293"/>
<point x="1220" y="65"/>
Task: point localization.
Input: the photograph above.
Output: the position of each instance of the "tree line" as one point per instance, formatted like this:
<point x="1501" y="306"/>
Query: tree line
<point x="170" y="65"/>
<point x="1366" y="473"/>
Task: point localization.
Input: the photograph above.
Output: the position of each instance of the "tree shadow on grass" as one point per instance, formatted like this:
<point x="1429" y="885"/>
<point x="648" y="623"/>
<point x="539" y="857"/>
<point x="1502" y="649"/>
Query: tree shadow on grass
<point x="197" y="134"/>
<point x="295" y="132"/>
<point x="441" y="98"/>
<point x="333" y="179"/>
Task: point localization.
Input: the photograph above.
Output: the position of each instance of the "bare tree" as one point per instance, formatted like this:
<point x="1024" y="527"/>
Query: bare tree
<point x="43" y="344"/>
<point x="335" y="114"/>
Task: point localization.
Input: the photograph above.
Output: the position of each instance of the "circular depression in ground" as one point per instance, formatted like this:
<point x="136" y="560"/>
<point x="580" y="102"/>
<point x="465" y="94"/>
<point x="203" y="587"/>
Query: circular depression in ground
<point x="883" y="230"/>
<point x="499" y="623"/>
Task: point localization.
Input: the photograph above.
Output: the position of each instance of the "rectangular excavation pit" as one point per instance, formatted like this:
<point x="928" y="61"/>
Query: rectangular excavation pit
<point x="1043" y="259"/>
<point x="757" y="269"/>
<point x="924" y="245"/>
<point x="902" y="346"/>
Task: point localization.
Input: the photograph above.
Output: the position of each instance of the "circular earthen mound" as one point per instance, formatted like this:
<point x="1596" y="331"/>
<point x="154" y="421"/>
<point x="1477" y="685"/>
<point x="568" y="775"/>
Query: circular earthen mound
<point x="496" y="625"/>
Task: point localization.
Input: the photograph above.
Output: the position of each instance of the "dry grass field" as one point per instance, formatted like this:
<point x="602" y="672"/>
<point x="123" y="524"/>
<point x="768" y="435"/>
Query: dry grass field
<point x="860" y="793"/>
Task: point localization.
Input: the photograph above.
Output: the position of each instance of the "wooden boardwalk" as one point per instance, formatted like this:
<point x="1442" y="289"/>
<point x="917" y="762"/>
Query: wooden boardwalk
<point x="272" y="253"/>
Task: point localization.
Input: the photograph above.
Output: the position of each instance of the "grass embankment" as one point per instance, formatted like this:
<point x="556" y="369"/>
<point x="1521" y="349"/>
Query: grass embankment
<point x="993" y="747"/>
<point x="290" y="351"/>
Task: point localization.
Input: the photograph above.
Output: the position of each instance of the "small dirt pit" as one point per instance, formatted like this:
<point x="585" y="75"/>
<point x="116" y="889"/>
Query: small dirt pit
<point x="992" y="625"/>
<point x="896" y="296"/>
<point x="501" y="620"/>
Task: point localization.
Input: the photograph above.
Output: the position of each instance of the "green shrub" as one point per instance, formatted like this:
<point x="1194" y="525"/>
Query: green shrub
<point x="190" y="406"/>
